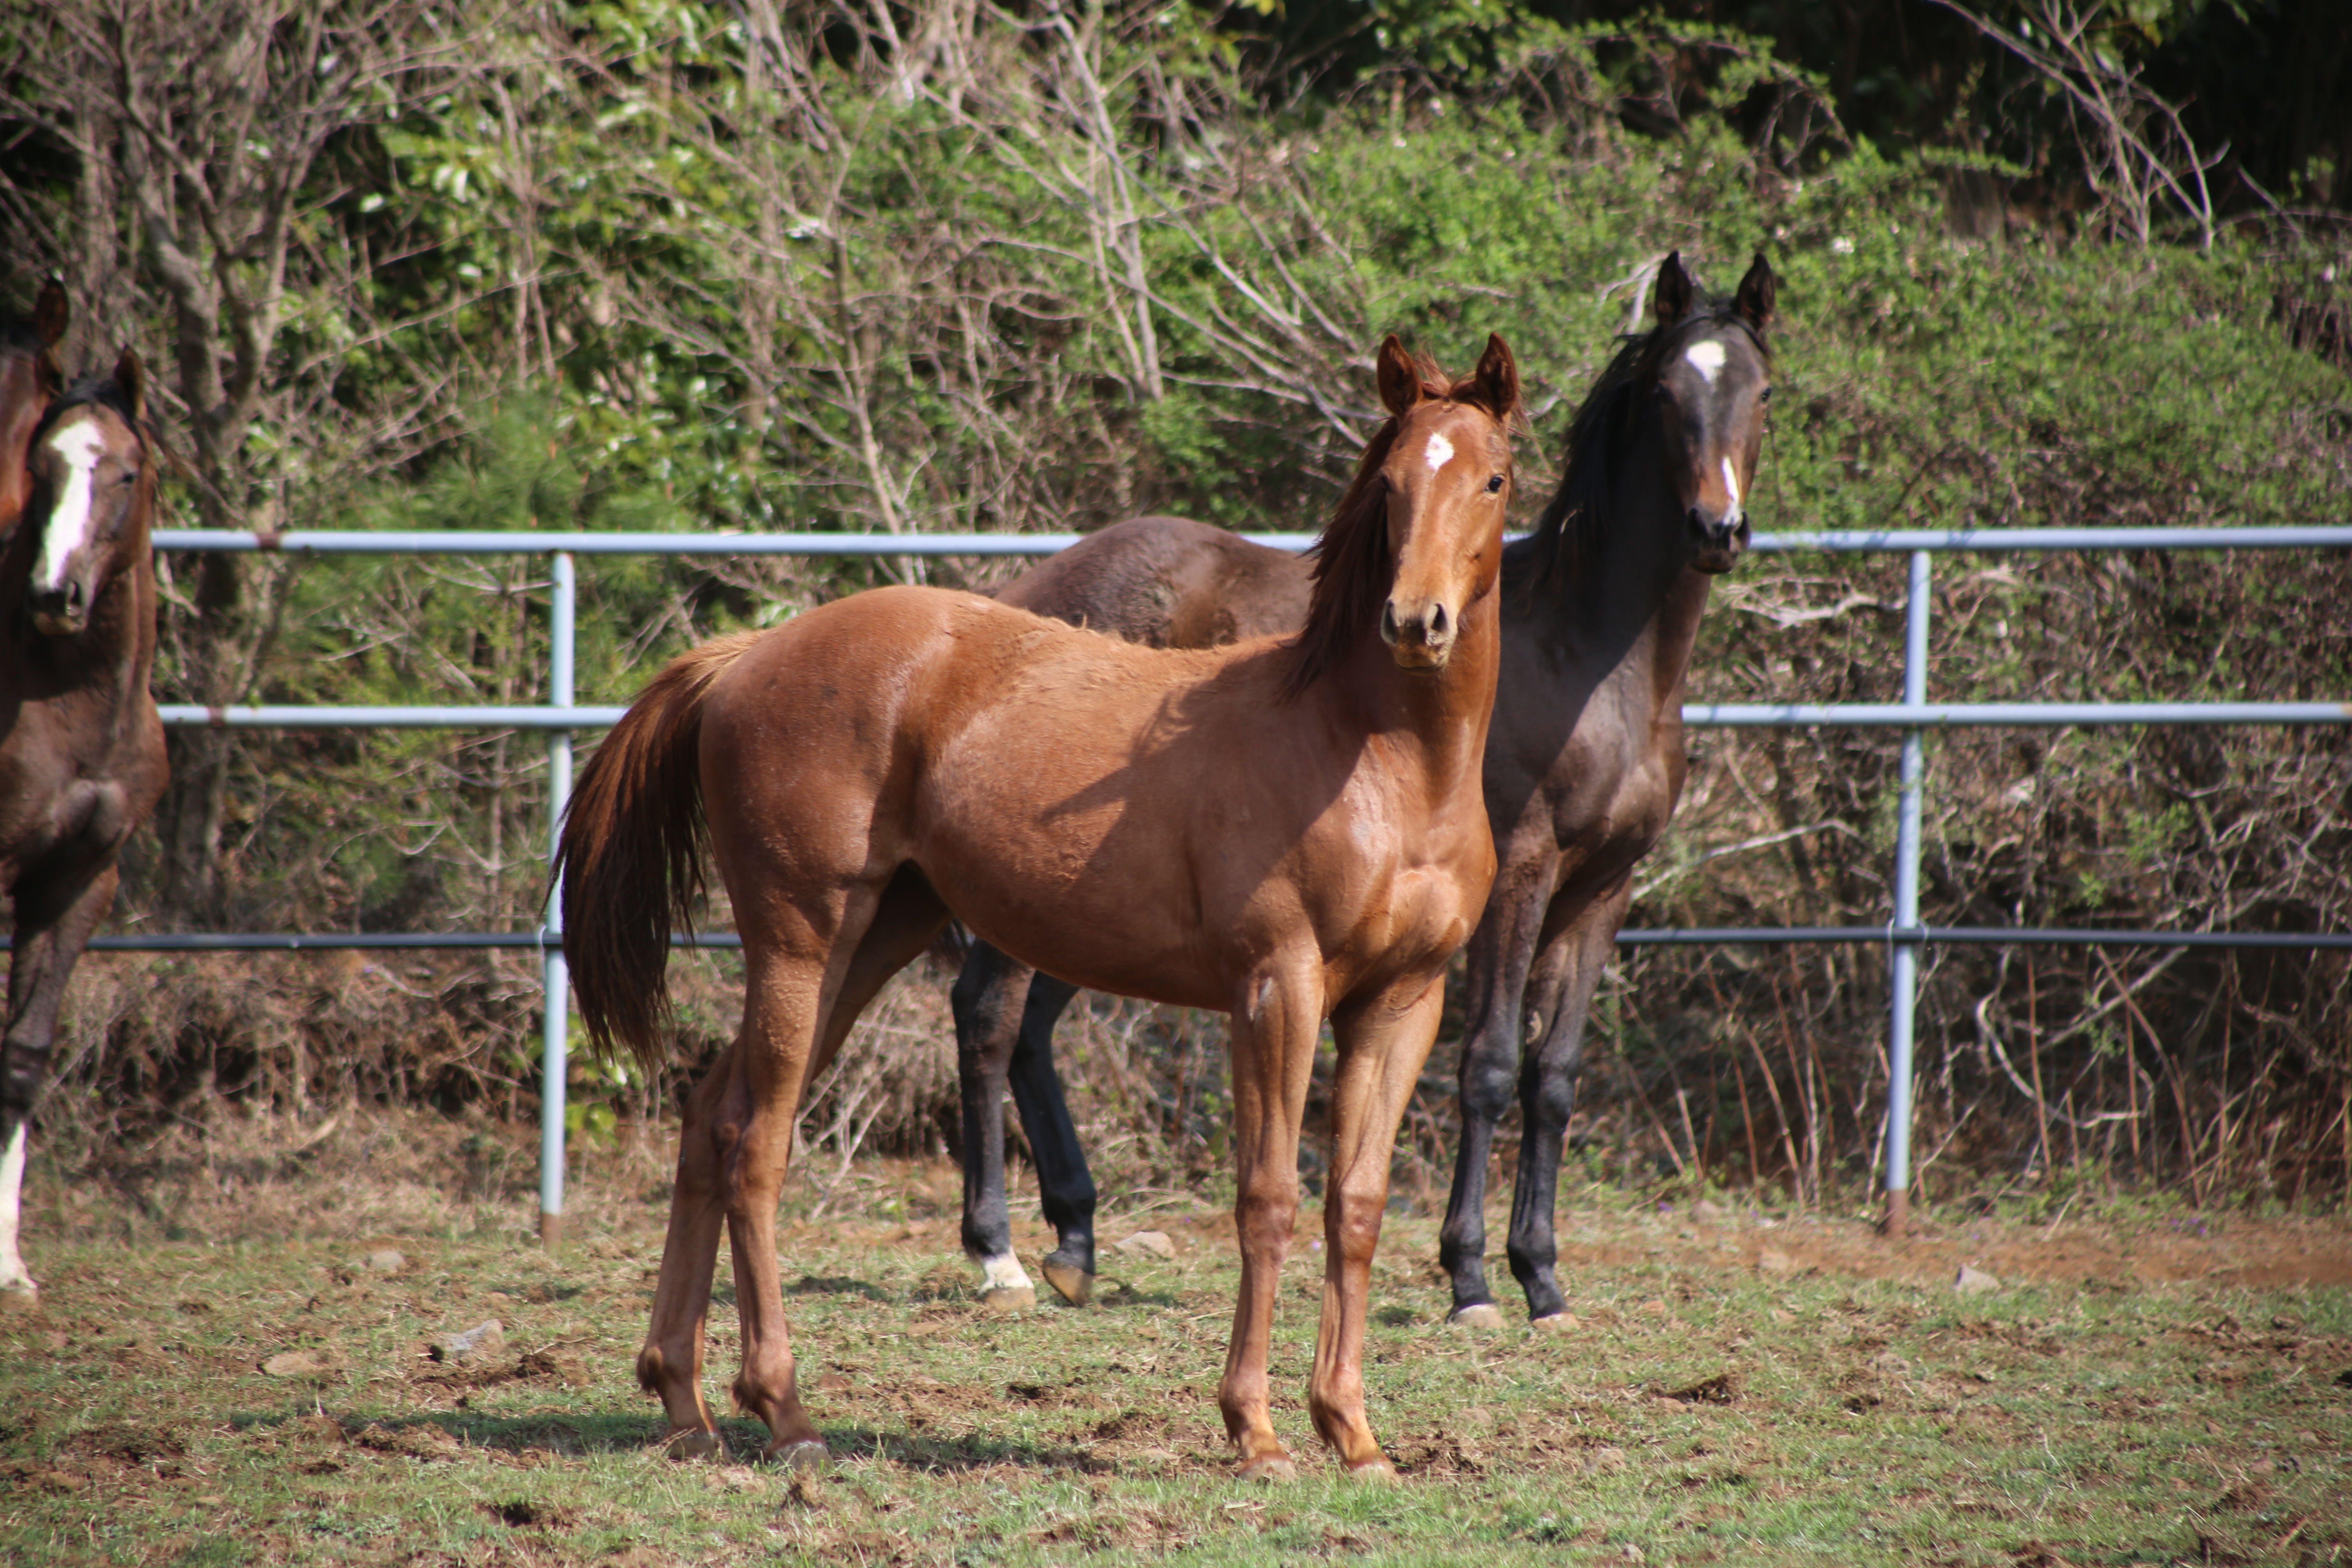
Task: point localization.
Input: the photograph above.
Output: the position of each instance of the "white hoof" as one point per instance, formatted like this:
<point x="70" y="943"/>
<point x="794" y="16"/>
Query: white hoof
<point x="1484" y="1315"/>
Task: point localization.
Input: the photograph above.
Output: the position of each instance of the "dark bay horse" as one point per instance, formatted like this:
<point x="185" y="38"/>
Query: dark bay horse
<point x="82" y="747"/>
<point x="1288" y="830"/>
<point x="29" y="381"/>
<point x="1584" y="763"/>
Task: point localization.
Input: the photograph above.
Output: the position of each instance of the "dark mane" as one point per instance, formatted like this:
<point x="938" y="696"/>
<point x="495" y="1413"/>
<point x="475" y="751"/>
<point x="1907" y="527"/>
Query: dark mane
<point x="1352" y="558"/>
<point x="102" y="391"/>
<point x="1576" y="518"/>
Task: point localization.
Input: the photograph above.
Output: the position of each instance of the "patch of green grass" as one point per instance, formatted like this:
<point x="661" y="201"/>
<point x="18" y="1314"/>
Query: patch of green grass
<point x="1839" y="1403"/>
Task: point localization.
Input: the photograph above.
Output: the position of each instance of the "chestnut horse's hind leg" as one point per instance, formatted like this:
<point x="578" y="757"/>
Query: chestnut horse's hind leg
<point x="781" y="999"/>
<point x="670" y="1365"/>
<point x="1548" y="1094"/>
<point x="1382" y="1045"/>
<point x="54" y="918"/>
<point x="1274" y="1027"/>
<point x="1501" y="950"/>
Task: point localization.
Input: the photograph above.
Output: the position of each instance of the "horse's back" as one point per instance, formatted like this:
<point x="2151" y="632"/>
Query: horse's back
<point x="1168" y="581"/>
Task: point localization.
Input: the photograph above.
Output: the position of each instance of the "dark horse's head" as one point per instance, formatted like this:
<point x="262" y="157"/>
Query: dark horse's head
<point x="93" y="489"/>
<point x="1712" y="374"/>
<point x="29" y="381"/>
<point x="1693" y="388"/>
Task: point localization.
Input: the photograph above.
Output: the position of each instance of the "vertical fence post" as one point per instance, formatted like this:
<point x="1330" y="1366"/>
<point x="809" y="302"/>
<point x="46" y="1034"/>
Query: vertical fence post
<point x="554" y="978"/>
<point x="1904" y="959"/>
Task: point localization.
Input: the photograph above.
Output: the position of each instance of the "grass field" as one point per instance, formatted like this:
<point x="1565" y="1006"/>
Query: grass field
<point x="2146" y="1387"/>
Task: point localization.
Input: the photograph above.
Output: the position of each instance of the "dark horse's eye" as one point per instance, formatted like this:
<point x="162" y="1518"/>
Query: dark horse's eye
<point x="1764" y="396"/>
<point x="1493" y="484"/>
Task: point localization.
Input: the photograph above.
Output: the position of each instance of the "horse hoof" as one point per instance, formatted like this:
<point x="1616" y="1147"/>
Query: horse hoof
<point x="1374" y="1470"/>
<point x="1009" y="1298"/>
<point x="801" y="1455"/>
<point x="1073" y="1284"/>
<point x="694" y="1443"/>
<point x="1553" y="1322"/>
<point x="1484" y="1315"/>
<point x="1273" y="1466"/>
<point x="20" y="1296"/>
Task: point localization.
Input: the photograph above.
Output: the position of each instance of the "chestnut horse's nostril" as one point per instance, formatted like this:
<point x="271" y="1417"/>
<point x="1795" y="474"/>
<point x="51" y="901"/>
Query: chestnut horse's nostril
<point x="1389" y="622"/>
<point x="1436" y="633"/>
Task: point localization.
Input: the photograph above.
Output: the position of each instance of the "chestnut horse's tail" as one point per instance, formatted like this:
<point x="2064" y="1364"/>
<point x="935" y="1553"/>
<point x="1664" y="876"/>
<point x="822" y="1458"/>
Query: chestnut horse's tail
<point x="632" y="851"/>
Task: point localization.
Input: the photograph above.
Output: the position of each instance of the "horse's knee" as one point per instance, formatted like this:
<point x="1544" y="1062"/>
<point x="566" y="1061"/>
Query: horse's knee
<point x="1490" y="1075"/>
<point x="1265" y="1212"/>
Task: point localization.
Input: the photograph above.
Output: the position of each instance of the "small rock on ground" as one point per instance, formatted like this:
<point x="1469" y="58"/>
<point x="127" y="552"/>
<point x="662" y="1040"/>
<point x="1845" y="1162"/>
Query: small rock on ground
<point x="298" y="1363"/>
<point x="1707" y="1209"/>
<point x="1773" y="1260"/>
<point x="1154" y="1242"/>
<point x="383" y="1260"/>
<point x="482" y="1339"/>
<point x="1974" y="1281"/>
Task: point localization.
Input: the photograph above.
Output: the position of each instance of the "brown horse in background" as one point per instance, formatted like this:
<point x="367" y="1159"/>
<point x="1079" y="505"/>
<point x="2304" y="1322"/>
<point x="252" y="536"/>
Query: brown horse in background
<point x="81" y="746"/>
<point x="1584" y="763"/>
<point x="1289" y="831"/>
<point x="29" y="381"/>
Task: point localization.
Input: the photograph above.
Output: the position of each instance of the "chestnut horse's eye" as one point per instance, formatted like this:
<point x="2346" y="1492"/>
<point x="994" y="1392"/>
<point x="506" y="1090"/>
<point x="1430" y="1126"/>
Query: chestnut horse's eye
<point x="1495" y="484"/>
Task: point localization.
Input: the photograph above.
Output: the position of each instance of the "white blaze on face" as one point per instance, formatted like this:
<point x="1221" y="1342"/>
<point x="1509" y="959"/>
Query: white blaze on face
<point x="78" y="447"/>
<point x="1731" y="487"/>
<point x="13" y="1275"/>
<point x="1440" y="452"/>
<point x="1706" y="358"/>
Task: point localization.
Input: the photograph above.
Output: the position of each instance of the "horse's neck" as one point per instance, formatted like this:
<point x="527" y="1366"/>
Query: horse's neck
<point x="1442" y="714"/>
<point x="1631" y="611"/>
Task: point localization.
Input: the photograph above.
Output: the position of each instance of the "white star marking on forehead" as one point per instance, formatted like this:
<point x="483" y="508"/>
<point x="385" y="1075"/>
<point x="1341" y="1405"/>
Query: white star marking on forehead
<point x="1439" y="452"/>
<point x="1706" y="358"/>
<point x="79" y="445"/>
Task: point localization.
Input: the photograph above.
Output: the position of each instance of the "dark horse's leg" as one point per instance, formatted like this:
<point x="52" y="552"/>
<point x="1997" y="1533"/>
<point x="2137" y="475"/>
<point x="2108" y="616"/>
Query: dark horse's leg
<point x="1500" y="952"/>
<point x="55" y="916"/>
<point x="1066" y="1188"/>
<point x="1572" y="968"/>
<point x="1005" y="1016"/>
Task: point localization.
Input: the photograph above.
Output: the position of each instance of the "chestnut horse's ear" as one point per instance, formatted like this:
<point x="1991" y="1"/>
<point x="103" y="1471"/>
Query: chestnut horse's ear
<point x="132" y="381"/>
<point x="1399" y="377"/>
<point x="1757" y="291"/>
<point x="1495" y="383"/>
<point x="52" y="312"/>
<point x="1670" y="302"/>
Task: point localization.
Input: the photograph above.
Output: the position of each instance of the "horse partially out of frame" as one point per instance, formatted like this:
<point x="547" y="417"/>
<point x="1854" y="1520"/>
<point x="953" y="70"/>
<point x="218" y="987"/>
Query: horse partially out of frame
<point x="1584" y="763"/>
<point x="29" y="381"/>
<point x="1287" y="830"/>
<point x="81" y="746"/>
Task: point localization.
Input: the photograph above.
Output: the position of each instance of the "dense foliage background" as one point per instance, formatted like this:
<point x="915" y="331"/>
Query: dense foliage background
<point x="943" y="266"/>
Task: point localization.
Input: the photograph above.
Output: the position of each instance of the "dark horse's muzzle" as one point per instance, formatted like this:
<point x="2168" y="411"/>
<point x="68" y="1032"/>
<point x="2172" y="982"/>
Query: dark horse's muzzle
<point x="1716" y="542"/>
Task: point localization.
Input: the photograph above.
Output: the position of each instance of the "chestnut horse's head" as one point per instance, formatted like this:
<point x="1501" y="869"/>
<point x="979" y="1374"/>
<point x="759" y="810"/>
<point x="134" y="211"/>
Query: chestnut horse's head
<point x="1711" y="376"/>
<point x="29" y="381"/>
<point x="1448" y="479"/>
<point x="1418" y="536"/>
<point x="92" y="492"/>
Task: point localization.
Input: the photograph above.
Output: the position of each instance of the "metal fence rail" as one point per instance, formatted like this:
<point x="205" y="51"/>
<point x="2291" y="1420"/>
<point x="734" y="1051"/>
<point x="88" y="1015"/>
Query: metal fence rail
<point x="1914" y="715"/>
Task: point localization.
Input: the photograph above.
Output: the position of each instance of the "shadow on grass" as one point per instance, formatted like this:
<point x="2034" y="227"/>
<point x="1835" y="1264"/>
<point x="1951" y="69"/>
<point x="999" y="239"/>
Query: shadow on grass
<point x="836" y="1284"/>
<point x="948" y="1454"/>
<point x="588" y="1433"/>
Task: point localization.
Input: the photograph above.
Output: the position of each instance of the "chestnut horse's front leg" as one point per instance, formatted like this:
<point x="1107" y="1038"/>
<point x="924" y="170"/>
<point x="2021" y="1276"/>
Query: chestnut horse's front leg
<point x="1382" y="1045"/>
<point x="1274" y="1026"/>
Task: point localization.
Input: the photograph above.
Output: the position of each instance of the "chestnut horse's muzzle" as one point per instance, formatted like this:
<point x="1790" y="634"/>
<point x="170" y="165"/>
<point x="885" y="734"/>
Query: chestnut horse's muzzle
<point x="1421" y="637"/>
<point x="62" y="611"/>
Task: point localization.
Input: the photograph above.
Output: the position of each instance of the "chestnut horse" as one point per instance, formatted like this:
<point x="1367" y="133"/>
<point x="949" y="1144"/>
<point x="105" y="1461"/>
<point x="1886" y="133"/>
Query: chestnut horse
<point x="29" y="381"/>
<point x="82" y="747"/>
<point x="1288" y="830"/>
<point x="1584" y="763"/>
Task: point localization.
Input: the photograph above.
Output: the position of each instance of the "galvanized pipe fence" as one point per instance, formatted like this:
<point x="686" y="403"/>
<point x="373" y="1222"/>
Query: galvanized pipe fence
<point x="1914" y="716"/>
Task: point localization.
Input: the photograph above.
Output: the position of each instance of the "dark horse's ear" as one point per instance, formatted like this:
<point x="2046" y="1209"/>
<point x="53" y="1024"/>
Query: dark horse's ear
<point x="1757" y="291"/>
<point x="1495" y="384"/>
<point x="133" y="382"/>
<point x="52" y="311"/>
<point x="1399" y="376"/>
<point x="1670" y="302"/>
